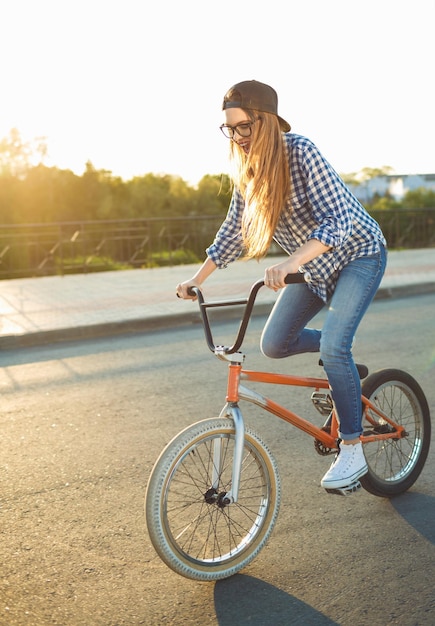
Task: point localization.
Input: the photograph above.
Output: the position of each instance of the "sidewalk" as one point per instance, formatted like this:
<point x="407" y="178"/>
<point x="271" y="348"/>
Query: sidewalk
<point x="36" y="311"/>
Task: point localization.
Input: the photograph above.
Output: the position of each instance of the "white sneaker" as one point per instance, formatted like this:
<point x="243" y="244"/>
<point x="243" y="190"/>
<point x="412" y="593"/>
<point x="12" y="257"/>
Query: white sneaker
<point x="349" y="465"/>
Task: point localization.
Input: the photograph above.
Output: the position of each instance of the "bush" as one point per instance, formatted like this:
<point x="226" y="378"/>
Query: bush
<point x="82" y="264"/>
<point x="167" y="258"/>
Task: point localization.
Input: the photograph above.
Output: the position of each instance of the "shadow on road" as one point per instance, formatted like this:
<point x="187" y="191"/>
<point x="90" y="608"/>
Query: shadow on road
<point x="244" y="600"/>
<point x="418" y="510"/>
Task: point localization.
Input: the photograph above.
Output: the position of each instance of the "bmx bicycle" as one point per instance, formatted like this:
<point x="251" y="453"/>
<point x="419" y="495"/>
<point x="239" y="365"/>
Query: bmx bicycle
<point x="213" y="495"/>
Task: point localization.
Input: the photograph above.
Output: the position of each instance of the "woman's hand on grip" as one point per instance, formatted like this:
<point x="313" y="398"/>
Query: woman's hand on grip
<point x="274" y="275"/>
<point x="182" y="290"/>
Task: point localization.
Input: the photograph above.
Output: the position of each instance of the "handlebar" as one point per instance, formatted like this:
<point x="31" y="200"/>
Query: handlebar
<point x="249" y="305"/>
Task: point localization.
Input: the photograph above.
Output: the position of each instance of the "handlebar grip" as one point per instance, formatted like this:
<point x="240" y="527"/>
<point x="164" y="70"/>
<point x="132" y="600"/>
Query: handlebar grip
<point x="191" y="291"/>
<point x="298" y="277"/>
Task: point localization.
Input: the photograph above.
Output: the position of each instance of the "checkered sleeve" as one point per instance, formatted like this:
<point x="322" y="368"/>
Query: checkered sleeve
<point x="228" y="244"/>
<point x="329" y="198"/>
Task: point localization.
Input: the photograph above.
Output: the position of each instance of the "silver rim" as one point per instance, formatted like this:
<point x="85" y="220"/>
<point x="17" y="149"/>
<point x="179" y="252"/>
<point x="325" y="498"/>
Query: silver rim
<point x="393" y="460"/>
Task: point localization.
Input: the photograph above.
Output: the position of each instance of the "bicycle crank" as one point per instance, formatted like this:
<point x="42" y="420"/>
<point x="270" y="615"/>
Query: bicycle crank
<point x="319" y="446"/>
<point x="323" y="450"/>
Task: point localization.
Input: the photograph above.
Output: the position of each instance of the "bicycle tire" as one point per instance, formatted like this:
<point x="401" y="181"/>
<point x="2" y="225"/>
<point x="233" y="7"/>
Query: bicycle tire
<point x="395" y="464"/>
<point x="189" y="528"/>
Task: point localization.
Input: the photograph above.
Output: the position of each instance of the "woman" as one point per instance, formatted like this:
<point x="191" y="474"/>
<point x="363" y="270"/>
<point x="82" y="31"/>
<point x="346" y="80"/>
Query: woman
<point x="285" y="190"/>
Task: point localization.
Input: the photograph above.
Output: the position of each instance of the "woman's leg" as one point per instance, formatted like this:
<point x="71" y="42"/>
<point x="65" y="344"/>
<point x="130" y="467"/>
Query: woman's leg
<point x="356" y="287"/>
<point x="284" y="333"/>
<point x="355" y="290"/>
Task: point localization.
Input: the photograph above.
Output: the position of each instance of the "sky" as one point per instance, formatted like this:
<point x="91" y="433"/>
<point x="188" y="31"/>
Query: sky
<point x="136" y="86"/>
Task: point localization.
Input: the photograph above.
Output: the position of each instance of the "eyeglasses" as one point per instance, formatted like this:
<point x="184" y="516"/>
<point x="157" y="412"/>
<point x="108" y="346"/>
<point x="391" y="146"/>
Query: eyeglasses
<point x="244" y="129"/>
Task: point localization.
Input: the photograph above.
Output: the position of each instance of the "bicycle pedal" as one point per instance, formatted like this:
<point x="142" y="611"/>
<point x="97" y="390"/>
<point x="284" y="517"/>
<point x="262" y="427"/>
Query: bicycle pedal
<point x="346" y="491"/>
<point x="322" y="402"/>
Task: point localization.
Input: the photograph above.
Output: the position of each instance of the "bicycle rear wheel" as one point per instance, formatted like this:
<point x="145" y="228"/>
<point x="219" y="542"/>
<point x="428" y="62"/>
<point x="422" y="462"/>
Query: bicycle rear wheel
<point x="395" y="464"/>
<point x="191" y="527"/>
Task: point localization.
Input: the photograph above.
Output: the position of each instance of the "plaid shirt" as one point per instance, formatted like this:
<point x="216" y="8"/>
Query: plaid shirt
<point x="320" y="207"/>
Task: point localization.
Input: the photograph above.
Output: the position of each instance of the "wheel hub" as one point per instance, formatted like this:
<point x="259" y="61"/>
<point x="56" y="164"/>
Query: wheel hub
<point x="212" y="496"/>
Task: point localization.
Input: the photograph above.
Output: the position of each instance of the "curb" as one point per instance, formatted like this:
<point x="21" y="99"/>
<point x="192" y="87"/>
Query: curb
<point x="125" y="327"/>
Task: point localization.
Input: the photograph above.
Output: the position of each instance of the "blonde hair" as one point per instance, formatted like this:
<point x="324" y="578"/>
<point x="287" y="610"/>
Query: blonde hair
<point x="263" y="178"/>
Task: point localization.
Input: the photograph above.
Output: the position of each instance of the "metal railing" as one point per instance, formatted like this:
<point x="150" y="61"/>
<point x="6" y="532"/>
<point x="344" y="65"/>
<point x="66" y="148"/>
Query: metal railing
<point x="90" y="246"/>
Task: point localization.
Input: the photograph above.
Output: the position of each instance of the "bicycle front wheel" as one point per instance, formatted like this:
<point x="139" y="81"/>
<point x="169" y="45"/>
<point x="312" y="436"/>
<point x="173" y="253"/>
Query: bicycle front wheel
<point x="395" y="464"/>
<point x="192" y="528"/>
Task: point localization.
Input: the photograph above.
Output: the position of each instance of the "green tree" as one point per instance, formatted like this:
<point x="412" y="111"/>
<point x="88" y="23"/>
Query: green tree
<point x="381" y="203"/>
<point x="17" y="155"/>
<point x="351" y="178"/>
<point x="155" y="195"/>
<point x="367" y="173"/>
<point x="419" y="199"/>
<point x="213" y="195"/>
<point x="48" y="195"/>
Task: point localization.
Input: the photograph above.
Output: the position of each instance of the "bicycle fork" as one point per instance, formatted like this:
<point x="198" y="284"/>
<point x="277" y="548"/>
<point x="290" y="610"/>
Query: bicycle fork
<point x="231" y="410"/>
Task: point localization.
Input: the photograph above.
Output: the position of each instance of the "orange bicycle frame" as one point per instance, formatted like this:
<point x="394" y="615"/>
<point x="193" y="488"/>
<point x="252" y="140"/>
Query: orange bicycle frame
<point x="236" y="392"/>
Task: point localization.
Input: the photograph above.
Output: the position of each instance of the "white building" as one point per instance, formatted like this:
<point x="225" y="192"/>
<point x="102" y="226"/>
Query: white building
<point x="395" y="185"/>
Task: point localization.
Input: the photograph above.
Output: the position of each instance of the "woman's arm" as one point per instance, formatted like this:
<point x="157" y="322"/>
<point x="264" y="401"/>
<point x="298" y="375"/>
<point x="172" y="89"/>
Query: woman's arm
<point x="274" y="275"/>
<point x="207" y="268"/>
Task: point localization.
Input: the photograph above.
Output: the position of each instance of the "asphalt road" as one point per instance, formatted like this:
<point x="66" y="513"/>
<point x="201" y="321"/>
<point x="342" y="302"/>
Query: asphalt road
<point x="83" y="423"/>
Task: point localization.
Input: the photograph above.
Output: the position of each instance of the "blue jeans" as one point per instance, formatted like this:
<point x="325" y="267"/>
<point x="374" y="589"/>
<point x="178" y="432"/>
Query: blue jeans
<point x="285" y="332"/>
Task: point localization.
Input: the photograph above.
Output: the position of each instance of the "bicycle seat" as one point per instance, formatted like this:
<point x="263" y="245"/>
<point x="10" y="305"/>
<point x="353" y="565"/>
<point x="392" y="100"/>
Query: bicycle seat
<point x="363" y="370"/>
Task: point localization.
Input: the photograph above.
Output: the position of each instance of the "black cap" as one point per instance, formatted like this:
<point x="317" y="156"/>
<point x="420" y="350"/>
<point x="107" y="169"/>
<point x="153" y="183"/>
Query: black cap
<point x="251" y="94"/>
